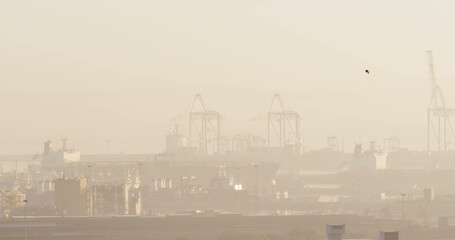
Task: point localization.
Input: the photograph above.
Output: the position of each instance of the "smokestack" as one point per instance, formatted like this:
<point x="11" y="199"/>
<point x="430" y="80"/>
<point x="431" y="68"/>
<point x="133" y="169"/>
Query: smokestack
<point x="47" y="147"/>
<point x="64" y="139"/>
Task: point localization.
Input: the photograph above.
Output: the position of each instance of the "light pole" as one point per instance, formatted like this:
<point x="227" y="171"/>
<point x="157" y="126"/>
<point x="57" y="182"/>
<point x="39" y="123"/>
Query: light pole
<point x="108" y="149"/>
<point x="403" y="195"/>
<point x="139" y="165"/>
<point x="25" y="218"/>
<point x="90" y="172"/>
<point x="255" y="187"/>
<point x="238" y="189"/>
<point x="114" y="180"/>
<point x="89" y="182"/>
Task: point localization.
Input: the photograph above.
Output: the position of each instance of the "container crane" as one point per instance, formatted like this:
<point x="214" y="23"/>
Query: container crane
<point x="438" y="112"/>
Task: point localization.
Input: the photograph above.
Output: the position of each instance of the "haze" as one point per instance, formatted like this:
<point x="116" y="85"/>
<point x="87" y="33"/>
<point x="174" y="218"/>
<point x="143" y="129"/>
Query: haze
<point x="121" y="70"/>
<point x="227" y="120"/>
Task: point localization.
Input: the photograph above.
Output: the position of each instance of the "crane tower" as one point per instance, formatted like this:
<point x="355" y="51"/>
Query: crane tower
<point x="438" y="113"/>
<point x="203" y="126"/>
<point x="284" y="123"/>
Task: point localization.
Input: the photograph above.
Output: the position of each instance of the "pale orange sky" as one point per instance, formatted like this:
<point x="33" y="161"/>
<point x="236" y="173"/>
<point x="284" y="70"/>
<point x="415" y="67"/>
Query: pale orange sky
<point x="120" y="70"/>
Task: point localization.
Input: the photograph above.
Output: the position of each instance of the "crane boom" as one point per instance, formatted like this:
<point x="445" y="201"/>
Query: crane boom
<point x="437" y="98"/>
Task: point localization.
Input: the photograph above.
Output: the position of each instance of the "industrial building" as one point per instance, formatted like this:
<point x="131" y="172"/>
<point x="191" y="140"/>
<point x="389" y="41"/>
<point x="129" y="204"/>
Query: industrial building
<point x="10" y="200"/>
<point x="110" y="200"/>
<point x="71" y="196"/>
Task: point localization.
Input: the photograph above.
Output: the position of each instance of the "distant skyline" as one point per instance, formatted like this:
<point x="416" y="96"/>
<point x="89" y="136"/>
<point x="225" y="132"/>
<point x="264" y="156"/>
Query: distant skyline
<point x="121" y="70"/>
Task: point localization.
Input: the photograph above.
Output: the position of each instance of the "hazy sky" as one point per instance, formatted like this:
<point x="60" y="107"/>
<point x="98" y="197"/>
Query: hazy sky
<point x="120" y="70"/>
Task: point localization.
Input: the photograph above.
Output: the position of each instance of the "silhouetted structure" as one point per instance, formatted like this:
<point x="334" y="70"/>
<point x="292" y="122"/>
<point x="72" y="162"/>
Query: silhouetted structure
<point x="71" y="196"/>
